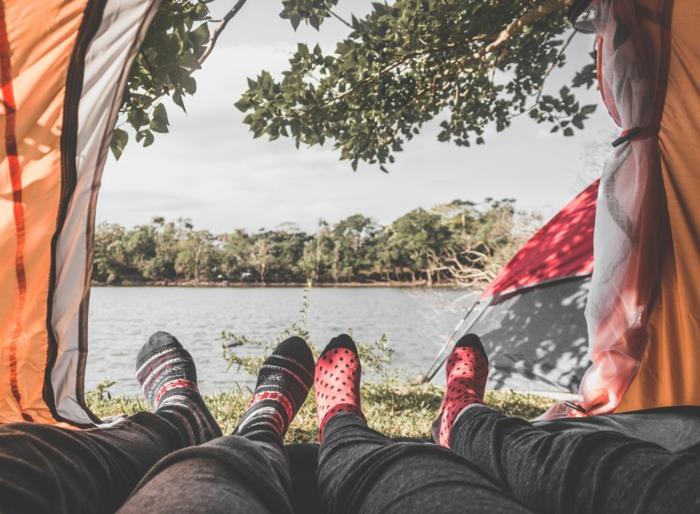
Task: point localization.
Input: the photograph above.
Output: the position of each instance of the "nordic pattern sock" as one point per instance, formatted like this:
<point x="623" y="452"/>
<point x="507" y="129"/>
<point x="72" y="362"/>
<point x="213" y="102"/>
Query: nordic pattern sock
<point x="168" y="379"/>
<point x="467" y="370"/>
<point x="337" y="381"/>
<point x="283" y="383"/>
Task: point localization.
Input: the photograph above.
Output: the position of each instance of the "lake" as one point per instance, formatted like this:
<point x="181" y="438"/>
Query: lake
<point x="417" y="322"/>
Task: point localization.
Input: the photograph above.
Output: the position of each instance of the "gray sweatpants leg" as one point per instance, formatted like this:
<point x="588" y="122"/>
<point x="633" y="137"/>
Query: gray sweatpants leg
<point x="362" y="471"/>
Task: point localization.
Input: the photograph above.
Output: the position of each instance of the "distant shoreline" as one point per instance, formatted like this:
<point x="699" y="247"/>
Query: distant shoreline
<point x="239" y="285"/>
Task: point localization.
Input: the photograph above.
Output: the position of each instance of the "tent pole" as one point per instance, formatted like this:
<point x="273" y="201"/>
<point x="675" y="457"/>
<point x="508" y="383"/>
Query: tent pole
<point x="441" y="356"/>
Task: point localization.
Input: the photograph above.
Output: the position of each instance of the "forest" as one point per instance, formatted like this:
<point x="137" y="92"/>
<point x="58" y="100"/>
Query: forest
<point x="459" y="243"/>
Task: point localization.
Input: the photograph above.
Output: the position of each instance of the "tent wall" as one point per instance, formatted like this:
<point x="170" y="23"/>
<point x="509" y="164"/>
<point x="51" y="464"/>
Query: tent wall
<point x="668" y="373"/>
<point x="63" y="65"/>
<point x="536" y="338"/>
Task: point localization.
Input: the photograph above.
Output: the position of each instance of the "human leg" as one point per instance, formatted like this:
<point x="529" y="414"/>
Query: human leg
<point x="246" y="472"/>
<point x="50" y="469"/>
<point x="564" y="472"/>
<point x="362" y="471"/>
<point x="576" y="471"/>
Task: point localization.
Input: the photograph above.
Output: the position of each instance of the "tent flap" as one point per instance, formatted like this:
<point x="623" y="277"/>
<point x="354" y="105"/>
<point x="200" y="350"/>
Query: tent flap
<point x="63" y="67"/>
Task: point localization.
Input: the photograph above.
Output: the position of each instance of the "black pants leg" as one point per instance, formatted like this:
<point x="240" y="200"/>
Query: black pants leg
<point x="49" y="469"/>
<point x="362" y="471"/>
<point x="232" y="474"/>
<point x="575" y="471"/>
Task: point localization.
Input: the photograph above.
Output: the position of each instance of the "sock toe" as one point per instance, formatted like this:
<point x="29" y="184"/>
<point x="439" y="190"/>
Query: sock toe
<point x="158" y="342"/>
<point x="295" y="347"/>
<point x="470" y="341"/>
<point x="341" y="341"/>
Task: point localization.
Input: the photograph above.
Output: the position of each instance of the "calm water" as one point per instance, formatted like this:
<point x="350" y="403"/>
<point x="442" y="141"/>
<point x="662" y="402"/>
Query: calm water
<point x="417" y="322"/>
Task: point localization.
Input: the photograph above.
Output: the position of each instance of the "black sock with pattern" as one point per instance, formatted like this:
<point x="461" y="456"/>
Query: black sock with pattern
<point x="168" y="379"/>
<point x="283" y="382"/>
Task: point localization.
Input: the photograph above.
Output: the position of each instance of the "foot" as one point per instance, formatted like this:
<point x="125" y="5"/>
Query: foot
<point x="467" y="370"/>
<point x="168" y="378"/>
<point x="283" y="384"/>
<point x="337" y="381"/>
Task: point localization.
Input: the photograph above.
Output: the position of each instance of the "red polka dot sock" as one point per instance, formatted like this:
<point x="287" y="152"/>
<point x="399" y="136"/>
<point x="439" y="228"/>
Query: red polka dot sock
<point x="467" y="370"/>
<point x="337" y="381"/>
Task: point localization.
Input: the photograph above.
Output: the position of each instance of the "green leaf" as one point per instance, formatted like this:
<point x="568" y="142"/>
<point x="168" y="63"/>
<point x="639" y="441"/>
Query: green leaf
<point x="159" y="122"/>
<point x="315" y="21"/>
<point x="119" y="140"/>
<point x="148" y="138"/>
<point x="242" y="105"/>
<point x="177" y="98"/>
<point x="137" y="117"/>
<point x="190" y="85"/>
<point x="201" y="35"/>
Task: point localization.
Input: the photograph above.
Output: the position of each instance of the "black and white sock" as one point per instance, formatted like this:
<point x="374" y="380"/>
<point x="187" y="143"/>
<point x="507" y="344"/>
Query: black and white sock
<point x="168" y="379"/>
<point x="283" y="382"/>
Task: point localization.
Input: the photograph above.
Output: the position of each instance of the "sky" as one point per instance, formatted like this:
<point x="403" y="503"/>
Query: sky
<point x="211" y="170"/>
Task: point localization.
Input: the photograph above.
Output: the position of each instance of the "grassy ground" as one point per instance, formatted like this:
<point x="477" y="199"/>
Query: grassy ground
<point x="395" y="409"/>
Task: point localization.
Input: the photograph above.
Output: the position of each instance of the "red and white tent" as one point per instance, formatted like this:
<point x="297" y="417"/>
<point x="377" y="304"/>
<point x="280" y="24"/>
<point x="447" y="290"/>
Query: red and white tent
<point x="531" y="317"/>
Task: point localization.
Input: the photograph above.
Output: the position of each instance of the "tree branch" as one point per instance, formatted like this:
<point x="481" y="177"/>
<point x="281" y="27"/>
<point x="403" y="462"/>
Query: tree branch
<point x="539" y="12"/>
<point x="219" y="29"/>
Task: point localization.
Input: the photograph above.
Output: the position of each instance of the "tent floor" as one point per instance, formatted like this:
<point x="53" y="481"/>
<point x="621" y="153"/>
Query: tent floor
<point x="674" y="428"/>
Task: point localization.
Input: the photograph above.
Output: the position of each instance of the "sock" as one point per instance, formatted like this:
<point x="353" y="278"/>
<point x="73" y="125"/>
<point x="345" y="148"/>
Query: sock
<point x="283" y="383"/>
<point x="467" y="370"/>
<point x="168" y="379"/>
<point x="337" y="381"/>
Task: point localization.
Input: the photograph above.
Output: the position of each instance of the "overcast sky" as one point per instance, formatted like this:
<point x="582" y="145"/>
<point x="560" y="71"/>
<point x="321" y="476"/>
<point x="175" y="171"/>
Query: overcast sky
<point x="210" y="169"/>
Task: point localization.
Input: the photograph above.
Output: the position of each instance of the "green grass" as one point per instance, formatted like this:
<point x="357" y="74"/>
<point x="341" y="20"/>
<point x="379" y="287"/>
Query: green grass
<point x="393" y="408"/>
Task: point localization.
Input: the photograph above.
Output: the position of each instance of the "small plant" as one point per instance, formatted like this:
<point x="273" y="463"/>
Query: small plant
<point x="376" y="356"/>
<point x="101" y="393"/>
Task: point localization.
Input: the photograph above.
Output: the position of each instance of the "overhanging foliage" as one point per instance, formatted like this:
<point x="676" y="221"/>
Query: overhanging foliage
<point x="471" y="64"/>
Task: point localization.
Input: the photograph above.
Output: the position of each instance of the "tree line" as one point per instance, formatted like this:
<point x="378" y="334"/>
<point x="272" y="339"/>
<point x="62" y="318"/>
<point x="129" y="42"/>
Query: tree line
<point x="461" y="242"/>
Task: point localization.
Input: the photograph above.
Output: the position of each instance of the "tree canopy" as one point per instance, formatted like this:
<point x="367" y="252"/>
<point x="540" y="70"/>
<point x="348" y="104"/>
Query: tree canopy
<point x="460" y="243"/>
<point x="471" y="64"/>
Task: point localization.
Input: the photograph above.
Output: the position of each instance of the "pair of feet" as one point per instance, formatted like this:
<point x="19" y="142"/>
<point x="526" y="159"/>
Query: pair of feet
<point x="167" y="375"/>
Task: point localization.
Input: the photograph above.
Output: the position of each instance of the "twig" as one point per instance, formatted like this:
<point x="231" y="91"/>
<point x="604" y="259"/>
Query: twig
<point x="554" y="64"/>
<point x="341" y="19"/>
<point x="219" y="29"/>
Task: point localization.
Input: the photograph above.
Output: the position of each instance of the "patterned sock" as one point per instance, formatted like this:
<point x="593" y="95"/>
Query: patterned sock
<point x="337" y="381"/>
<point x="467" y="371"/>
<point x="283" y="383"/>
<point x="168" y="379"/>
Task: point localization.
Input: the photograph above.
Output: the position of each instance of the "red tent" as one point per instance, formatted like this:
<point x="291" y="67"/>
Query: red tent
<point x="531" y="317"/>
<point x="560" y="250"/>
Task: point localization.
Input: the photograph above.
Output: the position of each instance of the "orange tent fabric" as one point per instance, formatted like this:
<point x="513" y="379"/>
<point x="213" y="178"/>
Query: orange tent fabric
<point x="63" y="66"/>
<point x="669" y="371"/>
